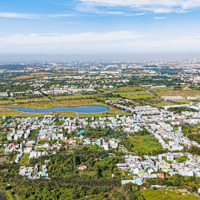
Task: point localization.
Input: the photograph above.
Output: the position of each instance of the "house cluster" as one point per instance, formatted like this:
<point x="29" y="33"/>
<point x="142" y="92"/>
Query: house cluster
<point x="179" y="98"/>
<point x="133" y="108"/>
<point x="3" y="94"/>
<point x="128" y="123"/>
<point x="184" y="164"/>
<point x="161" y="126"/>
<point x="9" y="148"/>
<point x="58" y="91"/>
<point x="26" y="93"/>
<point x="34" y="172"/>
<point x="112" y="143"/>
<point x="173" y="98"/>
<point x="16" y="135"/>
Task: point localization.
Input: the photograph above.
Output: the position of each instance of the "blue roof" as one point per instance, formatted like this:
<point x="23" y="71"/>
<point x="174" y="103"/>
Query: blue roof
<point x="82" y="132"/>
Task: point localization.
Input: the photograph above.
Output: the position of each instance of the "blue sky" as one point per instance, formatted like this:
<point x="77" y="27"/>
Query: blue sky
<point x="99" y="26"/>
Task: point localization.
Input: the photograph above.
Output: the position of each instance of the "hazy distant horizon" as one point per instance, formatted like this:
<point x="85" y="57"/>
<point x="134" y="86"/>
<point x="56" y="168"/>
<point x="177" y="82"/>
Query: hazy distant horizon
<point x="33" y="58"/>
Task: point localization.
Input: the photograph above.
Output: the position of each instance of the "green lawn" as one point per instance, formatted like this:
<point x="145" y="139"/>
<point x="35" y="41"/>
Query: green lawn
<point x="162" y="194"/>
<point x="24" y="159"/>
<point x="146" y="144"/>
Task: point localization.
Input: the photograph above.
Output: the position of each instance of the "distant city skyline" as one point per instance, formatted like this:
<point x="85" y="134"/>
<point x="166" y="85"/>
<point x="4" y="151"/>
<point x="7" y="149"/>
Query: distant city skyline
<point x="99" y="27"/>
<point x="128" y="57"/>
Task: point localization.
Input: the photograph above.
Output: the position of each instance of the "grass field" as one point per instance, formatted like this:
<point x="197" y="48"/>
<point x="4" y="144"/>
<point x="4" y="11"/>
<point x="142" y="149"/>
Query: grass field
<point x="24" y="159"/>
<point x="8" y="112"/>
<point x="107" y="98"/>
<point x="146" y="144"/>
<point x="32" y="75"/>
<point x="46" y="103"/>
<point x="182" y="102"/>
<point x="140" y="97"/>
<point x="33" y="100"/>
<point x="156" y="102"/>
<point x="162" y="194"/>
<point x="135" y="95"/>
<point x="183" y="93"/>
<point x="5" y="102"/>
<point x="73" y="97"/>
<point x="160" y="89"/>
<point x="124" y="89"/>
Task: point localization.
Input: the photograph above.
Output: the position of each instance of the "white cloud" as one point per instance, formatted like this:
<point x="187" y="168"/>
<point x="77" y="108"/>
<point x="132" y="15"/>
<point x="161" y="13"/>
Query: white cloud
<point x="159" y="18"/>
<point x="70" y="22"/>
<point x="156" y="6"/>
<point x="59" y="15"/>
<point x="31" y="16"/>
<point x="18" y="15"/>
<point x="70" y="38"/>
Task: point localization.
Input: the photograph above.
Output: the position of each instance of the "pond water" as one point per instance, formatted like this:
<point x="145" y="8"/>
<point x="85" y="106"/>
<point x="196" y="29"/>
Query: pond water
<point x="80" y="109"/>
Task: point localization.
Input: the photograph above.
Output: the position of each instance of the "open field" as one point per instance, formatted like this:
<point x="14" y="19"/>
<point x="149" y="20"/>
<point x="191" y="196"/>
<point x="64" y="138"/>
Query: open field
<point x="183" y="93"/>
<point x="8" y="112"/>
<point x="33" y="100"/>
<point x="160" y="89"/>
<point x="46" y="103"/>
<point x="164" y="103"/>
<point x="156" y="102"/>
<point x="5" y="102"/>
<point x="182" y="102"/>
<point x="24" y="77"/>
<point x="32" y="75"/>
<point x="135" y="95"/>
<point x="60" y="98"/>
<point x="107" y="98"/>
<point x="162" y="194"/>
<point x="140" y="97"/>
<point x="24" y="159"/>
<point x="145" y="144"/>
<point x="126" y="89"/>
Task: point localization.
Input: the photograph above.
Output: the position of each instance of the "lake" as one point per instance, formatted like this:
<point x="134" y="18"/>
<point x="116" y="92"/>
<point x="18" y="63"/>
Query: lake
<point x="79" y="109"/>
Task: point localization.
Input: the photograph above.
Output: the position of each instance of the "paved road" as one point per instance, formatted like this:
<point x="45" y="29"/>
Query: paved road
<point x="122" y="194"/>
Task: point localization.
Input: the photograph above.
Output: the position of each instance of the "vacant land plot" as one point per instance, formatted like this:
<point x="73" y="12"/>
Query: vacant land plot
<point x="124" y="89"/>
<point x="33" y="100"/>
<point x="5" y="102"/>
<point x="156" y="102"/>
<point x="32" y="75"/>
<point x="49" y="104"/>
<point x="8" y="112"/>
<point x="60" y="98"/>
<point x="162" y="194"/>
<point x="145" y="144"/>
<point x="24" y="159"/>
<point x="135" y="95"/>
<point x="183" y="93"/>
<point x="140" y="97"/>
<point x="160" y="89"/>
